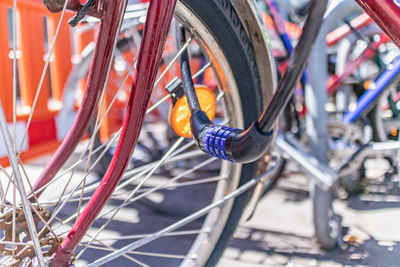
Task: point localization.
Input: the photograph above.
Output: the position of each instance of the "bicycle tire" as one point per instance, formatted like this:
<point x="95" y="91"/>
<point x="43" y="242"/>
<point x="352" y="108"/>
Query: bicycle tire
<point x="221" y="22"/>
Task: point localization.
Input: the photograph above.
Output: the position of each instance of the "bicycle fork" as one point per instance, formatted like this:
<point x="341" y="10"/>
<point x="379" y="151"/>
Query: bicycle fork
<point x="159" y="16"/>
<point x="223" y="142"/>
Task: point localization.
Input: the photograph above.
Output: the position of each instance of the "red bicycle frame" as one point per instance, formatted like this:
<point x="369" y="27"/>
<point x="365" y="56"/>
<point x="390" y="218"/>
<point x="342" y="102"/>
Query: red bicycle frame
<point x="386" y="13"/>
<point x="111" y="13"/>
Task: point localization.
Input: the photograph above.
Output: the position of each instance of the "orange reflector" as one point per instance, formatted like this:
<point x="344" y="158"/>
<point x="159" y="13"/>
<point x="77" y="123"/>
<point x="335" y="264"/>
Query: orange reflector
<point x="179" y="114"/>
<point x="395" y="132"/>
<point x="368" y="84"/>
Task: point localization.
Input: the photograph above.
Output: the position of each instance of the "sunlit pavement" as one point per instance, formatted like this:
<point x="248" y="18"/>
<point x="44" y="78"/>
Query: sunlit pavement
<point x="281" y="231"/>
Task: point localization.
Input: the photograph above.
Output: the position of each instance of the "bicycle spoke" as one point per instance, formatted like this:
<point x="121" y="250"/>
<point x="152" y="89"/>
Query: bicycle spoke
<point x="141" y="170"/>
<point x="109" y="248"/>
<point x="152" y="254"/>
<point x="8" y="185"/>
<point x="97" y="126"/>
<point x="165" y="98"/>
<point x="75" y="165"/>
<point x="152" y="190"/>
<point x="39" y="88"/>
<point x="175" y="58"/>
<point x="175" y="233"/>
<point x="202" y="70"/>
<point x="77" y="187"/>
<point x="14" y="216"/>
<point x="87" y="171"/>
<point x="195" y="182"/>
<point x="27" y="180"/>
<point x="165" y="186"/>
<point x="3" y="242"/>
<point x="18" y="179"/>
<point x="2" y="193"/>
<point x="151" y="165"/>
<point x="133" y="67"/>
<point x="14" y="33"/>
<point x="141" y="242"/>
<point x="44" y="222"/>
<point x="165" y="157"/>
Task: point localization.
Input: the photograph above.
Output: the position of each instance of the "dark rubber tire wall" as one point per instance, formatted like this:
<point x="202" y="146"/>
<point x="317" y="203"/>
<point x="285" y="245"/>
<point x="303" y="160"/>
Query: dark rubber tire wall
<point x="223" y="22"/>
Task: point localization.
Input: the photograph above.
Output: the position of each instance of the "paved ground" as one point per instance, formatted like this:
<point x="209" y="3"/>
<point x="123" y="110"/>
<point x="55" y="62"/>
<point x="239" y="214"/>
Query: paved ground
<point x="281" y="231"/>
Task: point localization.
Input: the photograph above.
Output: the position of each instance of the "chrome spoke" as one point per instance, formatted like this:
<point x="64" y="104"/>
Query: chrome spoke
<point x="202" y="70"/>
<point x="195" y="182"/>
<point x="18" y="179"/>
<point x="71" y="194"/>
<point x="46" y="224"/>
<point x="75" y="165"/>
<point x="168" y="185"/>
<point x="141" y="242"/>
<point x="183" y="49"/>
<point x="129" y="201"/>
<point x="46" y="66"/>
<point x="7" y="188"/>
<point x="3" y="242"/>
<point x="85" y="246"/>
<point x="14" y="34"/>
<point x="165" y="157"/>
<point x="27" y="180"/>
<point x="187" y="155"/>
<point x="175" y="233"/>
<point x="142" y="170"/>
<point x="152" y="254"/>
<point x="14" y="216"/>
<point x="109" y="248"/>
<point x="115" y="97"/>
<point x="2" y="193"/>
<point x="132" y="177"/>
<point x="165" y="98"/>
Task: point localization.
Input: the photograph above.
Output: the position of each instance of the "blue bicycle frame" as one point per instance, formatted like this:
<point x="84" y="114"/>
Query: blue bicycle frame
<point x="386" y="79"/>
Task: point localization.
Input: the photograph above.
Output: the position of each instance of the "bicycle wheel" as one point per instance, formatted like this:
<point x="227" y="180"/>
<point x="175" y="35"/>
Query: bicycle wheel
<point x="219" y="34"/>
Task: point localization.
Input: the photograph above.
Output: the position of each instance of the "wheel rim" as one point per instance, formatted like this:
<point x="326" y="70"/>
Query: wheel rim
<point x="231" y="105"/>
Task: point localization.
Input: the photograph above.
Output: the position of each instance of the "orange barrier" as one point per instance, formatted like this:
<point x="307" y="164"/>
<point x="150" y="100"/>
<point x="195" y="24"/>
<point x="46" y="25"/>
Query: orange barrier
<point x="36" y="27"/>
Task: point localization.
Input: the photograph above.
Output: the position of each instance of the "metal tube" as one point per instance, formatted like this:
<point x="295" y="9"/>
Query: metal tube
<point x="155" y="33"/>
<point x="388" y="78"/>
<point x="386" y="14"/>
<point x="295" y="66"/>
<point x="186" y="74"/>
<point x="141" y="242"/>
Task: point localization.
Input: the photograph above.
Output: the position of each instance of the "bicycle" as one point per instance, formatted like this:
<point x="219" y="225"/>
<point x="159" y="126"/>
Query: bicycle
<point x="234" y="172"/>
<point x="153" y="42"/>
<point x="343" y="138"/>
